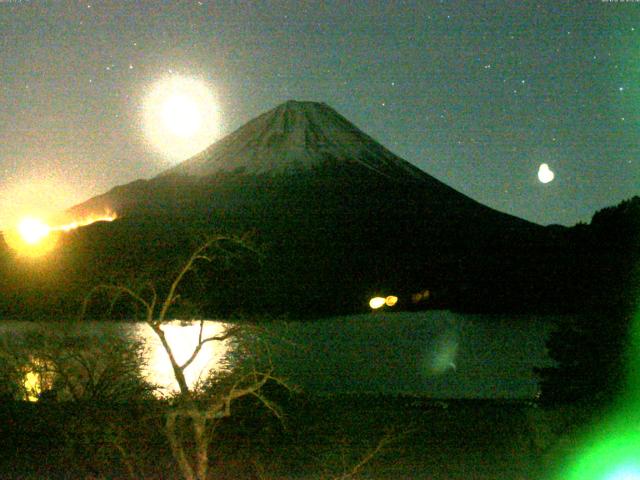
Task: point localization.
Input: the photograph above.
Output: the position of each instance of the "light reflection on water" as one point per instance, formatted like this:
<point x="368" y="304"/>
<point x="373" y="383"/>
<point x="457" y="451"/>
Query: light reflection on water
<point x="37" y="378"/>
<point x="434" y="353"/>
<point x="183" y="339"/>
<point x="38" y="375"/>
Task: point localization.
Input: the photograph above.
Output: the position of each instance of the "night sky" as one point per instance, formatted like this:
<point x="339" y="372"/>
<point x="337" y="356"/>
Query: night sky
<point x="477" y="94"/>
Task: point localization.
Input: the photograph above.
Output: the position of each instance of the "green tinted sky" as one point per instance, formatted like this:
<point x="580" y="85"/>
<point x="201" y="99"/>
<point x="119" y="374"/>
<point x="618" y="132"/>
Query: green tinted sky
<point x="477" y="94"/>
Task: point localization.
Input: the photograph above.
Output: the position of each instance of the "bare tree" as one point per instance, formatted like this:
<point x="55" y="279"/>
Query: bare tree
<point x="69" y="365"/>
<point x="198" y="409"/>
<point x="352" y="471"/>
<point x="342" y="465"/>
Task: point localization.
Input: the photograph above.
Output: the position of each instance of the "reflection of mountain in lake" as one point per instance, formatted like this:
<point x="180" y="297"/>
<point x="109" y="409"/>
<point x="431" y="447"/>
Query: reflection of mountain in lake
<point x="338" y="219"/>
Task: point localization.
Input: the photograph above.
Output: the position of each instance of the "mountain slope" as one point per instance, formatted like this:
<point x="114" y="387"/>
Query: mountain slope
<point x="338" y="219"/>
<point x="295" y="139"/>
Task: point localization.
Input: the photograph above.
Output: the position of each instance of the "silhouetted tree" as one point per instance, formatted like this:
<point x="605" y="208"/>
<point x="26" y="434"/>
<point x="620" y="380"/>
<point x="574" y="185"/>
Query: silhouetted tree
<point x="590" y="350"/>
<point x="590" y="359"/>
<point x="201" y="408"/>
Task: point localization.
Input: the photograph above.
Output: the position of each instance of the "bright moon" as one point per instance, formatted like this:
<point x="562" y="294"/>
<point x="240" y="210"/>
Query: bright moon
<point x="545" y="175"/>
<point x="181" y="117"/>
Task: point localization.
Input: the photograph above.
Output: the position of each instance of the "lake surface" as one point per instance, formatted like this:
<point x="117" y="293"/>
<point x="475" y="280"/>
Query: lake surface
<point x="436" y="353"/>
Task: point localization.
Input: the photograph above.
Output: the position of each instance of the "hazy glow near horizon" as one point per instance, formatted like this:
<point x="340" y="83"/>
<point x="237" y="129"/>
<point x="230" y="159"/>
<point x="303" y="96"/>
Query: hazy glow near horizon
<point x="32" y="236"/>
<point x="180" y="117"/>
<point x="32" y="230"/>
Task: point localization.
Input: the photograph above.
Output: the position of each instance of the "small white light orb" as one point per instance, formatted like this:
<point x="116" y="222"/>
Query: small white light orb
<point x="545" y="175"/>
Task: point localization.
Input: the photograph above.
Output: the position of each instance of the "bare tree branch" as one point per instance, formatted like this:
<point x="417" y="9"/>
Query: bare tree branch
<point x="176" y="447"/>
<point x="275" y="409"/>
<point x="188" y="405"/>
<point x="117" y="289"/>
<point x="388" y="438"/>
<point x="197" y="255"/>
<point x="231" y="332"/>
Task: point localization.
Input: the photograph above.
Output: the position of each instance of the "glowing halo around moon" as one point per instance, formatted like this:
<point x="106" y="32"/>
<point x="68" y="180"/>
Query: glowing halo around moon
<point x="180" y="117"/>
<point x="545" y="174"/>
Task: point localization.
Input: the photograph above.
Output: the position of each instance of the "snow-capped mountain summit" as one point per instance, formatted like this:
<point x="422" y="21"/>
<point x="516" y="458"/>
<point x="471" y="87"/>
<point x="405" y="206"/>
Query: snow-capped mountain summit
<point x="293" y="141"/>
<point x="293" y="136"/>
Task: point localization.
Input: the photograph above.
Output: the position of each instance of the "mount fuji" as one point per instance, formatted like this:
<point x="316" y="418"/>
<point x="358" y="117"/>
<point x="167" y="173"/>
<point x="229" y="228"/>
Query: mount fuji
<point x="337" y="218"/>
<point x="293" y="141"/>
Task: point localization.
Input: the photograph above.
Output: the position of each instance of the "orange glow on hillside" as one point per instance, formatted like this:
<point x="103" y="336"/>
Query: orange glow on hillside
<point x="93" y="218"/>
<point x="34" y="237"/>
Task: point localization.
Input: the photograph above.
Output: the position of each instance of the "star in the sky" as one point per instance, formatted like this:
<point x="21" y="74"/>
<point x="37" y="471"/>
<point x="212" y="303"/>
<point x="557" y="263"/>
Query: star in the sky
<point x="570" y="48"/>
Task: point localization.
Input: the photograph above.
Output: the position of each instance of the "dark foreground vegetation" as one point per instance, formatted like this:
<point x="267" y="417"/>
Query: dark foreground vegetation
<point x="318" y="438"/>
<point x="82" y="427"/>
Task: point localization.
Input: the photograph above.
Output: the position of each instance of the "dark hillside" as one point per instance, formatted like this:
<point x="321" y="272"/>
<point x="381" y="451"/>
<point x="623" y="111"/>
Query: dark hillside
<point x="338" y="219"/>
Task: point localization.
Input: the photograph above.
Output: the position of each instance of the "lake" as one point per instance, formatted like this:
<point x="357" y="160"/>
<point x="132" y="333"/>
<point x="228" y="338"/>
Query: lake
<point x="438" y="354"/>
